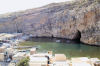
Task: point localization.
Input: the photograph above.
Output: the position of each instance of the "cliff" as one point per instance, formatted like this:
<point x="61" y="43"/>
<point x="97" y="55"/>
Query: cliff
<point x="72" y="20"/>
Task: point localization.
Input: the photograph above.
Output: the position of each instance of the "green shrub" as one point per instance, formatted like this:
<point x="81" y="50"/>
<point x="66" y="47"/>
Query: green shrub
<point x="23" y="62"/>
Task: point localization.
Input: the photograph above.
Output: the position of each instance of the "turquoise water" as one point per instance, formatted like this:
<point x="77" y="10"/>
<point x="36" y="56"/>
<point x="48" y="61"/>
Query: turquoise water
<point x="70" y="49"/>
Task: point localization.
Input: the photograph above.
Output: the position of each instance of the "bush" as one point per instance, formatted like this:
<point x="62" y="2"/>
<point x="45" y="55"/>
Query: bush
<point x="24" y="62"/>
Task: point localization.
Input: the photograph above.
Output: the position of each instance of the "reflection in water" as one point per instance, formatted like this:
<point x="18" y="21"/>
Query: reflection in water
<point x="71" y="49"/>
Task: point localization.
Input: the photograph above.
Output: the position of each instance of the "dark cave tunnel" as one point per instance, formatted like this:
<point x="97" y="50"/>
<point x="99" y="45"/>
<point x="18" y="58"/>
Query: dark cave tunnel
<point x="78" y="37"/>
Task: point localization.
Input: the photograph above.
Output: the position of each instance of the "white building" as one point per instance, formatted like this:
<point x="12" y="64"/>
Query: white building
<point x="60" y="60"/>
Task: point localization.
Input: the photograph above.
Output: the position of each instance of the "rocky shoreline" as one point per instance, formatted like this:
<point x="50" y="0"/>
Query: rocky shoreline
<point x="71" y="20"/>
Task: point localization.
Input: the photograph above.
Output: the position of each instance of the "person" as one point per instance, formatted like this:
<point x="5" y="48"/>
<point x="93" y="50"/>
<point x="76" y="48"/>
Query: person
<point x="48" y="59"/>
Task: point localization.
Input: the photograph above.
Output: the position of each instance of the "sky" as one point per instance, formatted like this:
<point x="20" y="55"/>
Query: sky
<point x="7" y="6"/>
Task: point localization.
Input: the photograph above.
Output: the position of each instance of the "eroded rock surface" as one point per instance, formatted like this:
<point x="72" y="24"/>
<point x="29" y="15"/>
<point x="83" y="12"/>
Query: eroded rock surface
<point x="71" y="20"/>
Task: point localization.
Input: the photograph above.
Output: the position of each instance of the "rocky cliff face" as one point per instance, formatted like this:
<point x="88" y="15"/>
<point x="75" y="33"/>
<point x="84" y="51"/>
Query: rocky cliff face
<point x="71" y="20"/>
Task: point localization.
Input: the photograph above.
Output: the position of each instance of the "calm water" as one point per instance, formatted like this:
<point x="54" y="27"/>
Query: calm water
<point x="69" y="48"/>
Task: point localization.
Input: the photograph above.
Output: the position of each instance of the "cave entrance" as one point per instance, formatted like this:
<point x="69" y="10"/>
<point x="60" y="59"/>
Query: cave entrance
<point x="78" y="37"/>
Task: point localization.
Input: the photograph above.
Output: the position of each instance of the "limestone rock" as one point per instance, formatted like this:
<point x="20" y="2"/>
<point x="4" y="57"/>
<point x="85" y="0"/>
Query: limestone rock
<point x="71" y="20"/>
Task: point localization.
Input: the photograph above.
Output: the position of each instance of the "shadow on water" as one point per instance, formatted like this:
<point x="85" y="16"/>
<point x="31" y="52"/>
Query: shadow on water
<point x="54" y="39"/>
<point x="71" y="48"/>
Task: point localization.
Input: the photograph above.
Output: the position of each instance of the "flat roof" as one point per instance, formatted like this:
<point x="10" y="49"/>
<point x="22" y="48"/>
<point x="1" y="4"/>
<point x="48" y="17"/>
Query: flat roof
<point x="60" y="57"/>
<point x="19" y="54"/>
<point x="38" y="59"/>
